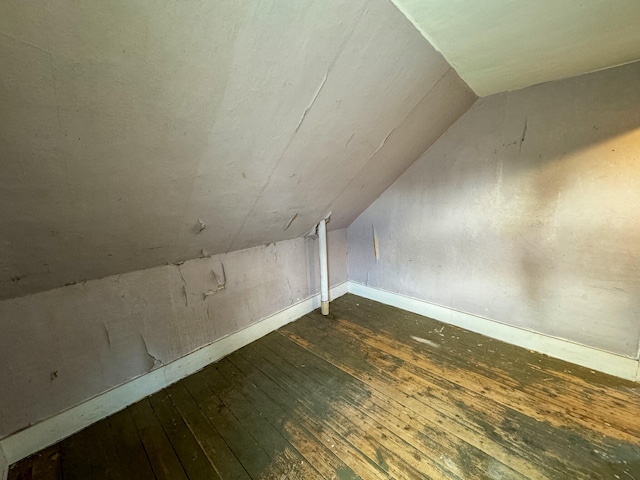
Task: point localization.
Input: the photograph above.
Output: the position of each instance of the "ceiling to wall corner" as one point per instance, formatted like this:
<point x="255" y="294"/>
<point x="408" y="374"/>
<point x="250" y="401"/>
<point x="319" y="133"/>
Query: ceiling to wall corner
<point x="502" y="45"/>
<point x="135" y="134"/>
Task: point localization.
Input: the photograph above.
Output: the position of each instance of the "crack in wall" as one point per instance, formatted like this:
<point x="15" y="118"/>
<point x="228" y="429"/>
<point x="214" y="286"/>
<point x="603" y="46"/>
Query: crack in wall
<point x="350" y="138"/>
<point x="400" y="125"/>
<point x="184" y="296"/>
<point x="184" y="287"/>
<point x="290" y="290"/>
<point x="524" y="134"/>
<point x="106" y="332"/>
<point x="313" y="100"/>
<point x="24" y="42"/>
<point x="290" y="221"/>
<point x="383" y="143"/>
<point x="340" y="49"/>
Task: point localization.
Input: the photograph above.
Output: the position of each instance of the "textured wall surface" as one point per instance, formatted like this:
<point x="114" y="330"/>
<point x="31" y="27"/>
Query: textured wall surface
<point x="66" y="345"/>
<point x="524" y="212"/>
<point x="125" y="123"/>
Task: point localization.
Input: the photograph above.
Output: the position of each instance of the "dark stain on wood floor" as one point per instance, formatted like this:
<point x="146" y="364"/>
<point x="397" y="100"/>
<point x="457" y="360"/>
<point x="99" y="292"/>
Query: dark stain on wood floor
<point x="374" y="393"/>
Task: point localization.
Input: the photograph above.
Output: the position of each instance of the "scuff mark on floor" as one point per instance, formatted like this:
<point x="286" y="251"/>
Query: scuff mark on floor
<point x="381" y="460"/>
<point x="425" y="341"/>
<point x="439" y="332"/>
<point x="290" y="221"/>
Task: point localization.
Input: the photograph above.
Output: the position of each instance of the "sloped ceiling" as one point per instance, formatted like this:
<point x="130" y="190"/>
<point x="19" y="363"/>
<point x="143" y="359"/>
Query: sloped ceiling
<point x="502" y="45"/>
<point x="123" y="124"/>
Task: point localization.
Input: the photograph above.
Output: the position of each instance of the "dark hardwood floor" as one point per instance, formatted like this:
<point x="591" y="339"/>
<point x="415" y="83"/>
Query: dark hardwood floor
<point x="372" y="392"/>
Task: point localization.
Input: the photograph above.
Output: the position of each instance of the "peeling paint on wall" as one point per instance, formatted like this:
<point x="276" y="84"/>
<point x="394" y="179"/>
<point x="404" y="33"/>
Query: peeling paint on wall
<point x="78" y="341"/>
<point x="523" y="212"/>
<point x="184" y="173"/>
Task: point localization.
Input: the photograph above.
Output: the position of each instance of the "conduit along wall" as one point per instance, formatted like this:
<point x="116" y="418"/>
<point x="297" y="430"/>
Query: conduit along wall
<point x="62" y="347"/>
<point x="324" y="265"/>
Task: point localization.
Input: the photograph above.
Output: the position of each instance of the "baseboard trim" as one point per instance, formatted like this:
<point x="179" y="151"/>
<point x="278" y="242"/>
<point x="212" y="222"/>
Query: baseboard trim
<point x="36" y="437"/>
<point x="593" y="358"/>
<point x="4" y="466"/>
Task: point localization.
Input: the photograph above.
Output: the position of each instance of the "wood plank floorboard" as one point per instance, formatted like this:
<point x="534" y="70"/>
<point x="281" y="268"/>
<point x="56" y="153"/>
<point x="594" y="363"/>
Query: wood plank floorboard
<point x="370" y="392"/>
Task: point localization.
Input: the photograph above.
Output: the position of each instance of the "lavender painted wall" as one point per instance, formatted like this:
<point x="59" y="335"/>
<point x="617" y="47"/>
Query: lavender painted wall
<point x="61" y="347"/>
<point x="524" y="212"/>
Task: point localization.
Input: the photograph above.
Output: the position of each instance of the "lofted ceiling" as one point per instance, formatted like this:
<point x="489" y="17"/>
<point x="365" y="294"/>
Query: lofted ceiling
<point x="502" y="45"/>
<point x="134" y="134"/>
<point x="126" y="127"/>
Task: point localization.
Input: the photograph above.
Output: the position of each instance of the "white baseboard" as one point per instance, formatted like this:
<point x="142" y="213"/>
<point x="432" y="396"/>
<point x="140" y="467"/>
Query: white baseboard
<point x="4" y="466"/>
<point x="593" y="358"/>
<point x="36" y="437"/>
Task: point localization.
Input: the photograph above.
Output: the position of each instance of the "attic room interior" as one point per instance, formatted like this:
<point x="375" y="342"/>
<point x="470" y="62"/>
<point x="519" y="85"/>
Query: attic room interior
<point x="364" y="239"/>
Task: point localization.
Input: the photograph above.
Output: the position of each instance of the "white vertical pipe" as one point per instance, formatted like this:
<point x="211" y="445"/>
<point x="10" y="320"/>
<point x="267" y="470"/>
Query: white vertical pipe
<point x="324" y="270"/>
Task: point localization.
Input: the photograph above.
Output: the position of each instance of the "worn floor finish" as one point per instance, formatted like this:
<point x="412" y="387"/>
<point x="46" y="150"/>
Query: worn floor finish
<point x="374" y="392"/>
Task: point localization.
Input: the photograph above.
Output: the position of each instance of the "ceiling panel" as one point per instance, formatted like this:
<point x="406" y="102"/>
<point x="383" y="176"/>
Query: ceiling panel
<point x="501" y="45"/>
<point x="125" y="123"/>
